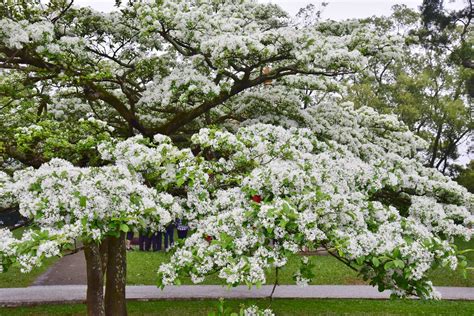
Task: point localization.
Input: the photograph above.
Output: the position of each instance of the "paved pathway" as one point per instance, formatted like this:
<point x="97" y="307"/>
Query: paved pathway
<point x="76" y="293"/>
<point x="68" y="270"/>
<point x="71" y="270"/>
<point x="64" y="282"/>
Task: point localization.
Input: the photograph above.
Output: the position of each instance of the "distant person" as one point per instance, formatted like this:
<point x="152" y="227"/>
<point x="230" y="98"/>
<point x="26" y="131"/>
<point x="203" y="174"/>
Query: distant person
<point x="144" y="240"/>
<point x="128" y="241"/>
<point x="169" y="236"/>
<point x="157" y="240"/>
<point x="182" y="229"/>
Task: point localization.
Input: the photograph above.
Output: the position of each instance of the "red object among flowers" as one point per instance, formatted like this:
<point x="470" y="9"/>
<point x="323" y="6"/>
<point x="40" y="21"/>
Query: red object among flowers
<point x="257" y="198"/>
<point x="208" y="238"/>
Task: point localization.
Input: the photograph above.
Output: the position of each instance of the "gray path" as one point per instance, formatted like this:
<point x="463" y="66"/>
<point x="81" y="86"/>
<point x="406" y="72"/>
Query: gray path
<point x="68" y="270"/>
<point x="71" y="270"/>
<point x="76" y="293"/>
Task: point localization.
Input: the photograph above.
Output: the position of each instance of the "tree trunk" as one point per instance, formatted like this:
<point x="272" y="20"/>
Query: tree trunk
<point x="104" y="254"/>
<point x="107" y="259"/>
<point x="115" y="304"/>
<point x="95" y="280"/>
<point x="436" y="144"/>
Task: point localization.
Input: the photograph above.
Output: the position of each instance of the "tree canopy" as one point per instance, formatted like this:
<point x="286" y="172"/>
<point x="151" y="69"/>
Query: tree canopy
<point x="230" y="115"/>
<point x="160" y="67"/>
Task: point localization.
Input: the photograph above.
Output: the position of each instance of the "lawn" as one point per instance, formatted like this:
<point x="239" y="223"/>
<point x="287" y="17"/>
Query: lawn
<point x="447" y="277"/>
<point x="280" y="307"/>
<point x="14" y="277"/>
<point x="142" y="267"/>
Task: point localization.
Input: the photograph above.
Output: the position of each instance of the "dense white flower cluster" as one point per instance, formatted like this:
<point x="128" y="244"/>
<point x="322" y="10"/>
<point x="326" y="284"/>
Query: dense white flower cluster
<point x="227" y="43"/>
<point x="328" y="175"/>
<point x="275" y="191"/>
<point x="185" y="54"/>
<point x="161" y="163"/>
<point x="258" y="195"/>
<point x="6" y="246"/>
<point x="17" y="34"/>
<point x="248" y="29"/>
<point x="6" y="197"/>
<point x="182" y="88"/>
<point x="69" y="202"/>
<point x="65" y="107"/>
<point x="59" y="193"/>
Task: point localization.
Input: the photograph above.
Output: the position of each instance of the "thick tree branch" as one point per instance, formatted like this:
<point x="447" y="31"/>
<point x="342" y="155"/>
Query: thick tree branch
<point x="181" y="119"/>
<point x="99" y="92"/>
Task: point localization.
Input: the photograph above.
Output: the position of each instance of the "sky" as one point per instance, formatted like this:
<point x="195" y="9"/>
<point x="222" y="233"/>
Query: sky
<point x="343" y="9"/>
<point x="336" y="10"/>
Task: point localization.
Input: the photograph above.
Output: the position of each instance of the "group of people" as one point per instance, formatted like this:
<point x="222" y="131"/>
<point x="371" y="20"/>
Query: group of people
<point x="149" y="240"/>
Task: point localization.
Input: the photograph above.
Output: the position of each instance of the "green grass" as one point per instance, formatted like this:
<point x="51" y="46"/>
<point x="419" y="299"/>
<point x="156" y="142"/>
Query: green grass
<point x="14" y="278"/>
<point x="142" y="267"/>
<point x="447" y="277"/>
<point x="280" y="307"/>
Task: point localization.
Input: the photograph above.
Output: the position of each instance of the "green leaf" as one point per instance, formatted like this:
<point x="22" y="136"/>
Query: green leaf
<point x="35" y="187"/>
<point x="180" y="180"/>
<point x="396" y="253"/>
<point x="360" y="260"/>
<point x="399" y="263"/>
<point x="388" y="265"/>
<point x="124" y="228"/>
<point x="375" y="261"/>
<point x="83" y="201"/>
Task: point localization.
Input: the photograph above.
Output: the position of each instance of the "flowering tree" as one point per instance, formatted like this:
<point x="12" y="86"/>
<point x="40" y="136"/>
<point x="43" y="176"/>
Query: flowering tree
<point x="168" y="67"/>
<point x="95" y="205"/>
<point x="102" y="100"/>
<point x="428" y="88"/>
<point x="350" y="183"/>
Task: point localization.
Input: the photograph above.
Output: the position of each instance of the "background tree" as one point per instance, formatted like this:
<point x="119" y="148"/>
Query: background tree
<point x="425" y="88"/>
<point x="437" y="21"/>
<point x="465" y="175"/>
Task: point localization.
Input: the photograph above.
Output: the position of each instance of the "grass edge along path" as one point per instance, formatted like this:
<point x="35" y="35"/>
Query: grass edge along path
<point x="143" y="266"/>
<point x="279" y="306"/>
<point x="142" y="270"/>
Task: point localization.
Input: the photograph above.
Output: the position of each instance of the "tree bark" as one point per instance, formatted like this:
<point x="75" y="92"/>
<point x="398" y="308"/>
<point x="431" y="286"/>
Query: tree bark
<point x="104" y="254"/>
<point x="115" y="304"/>
<point x="95" y="280"/>
<point x="436" y="144"/>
